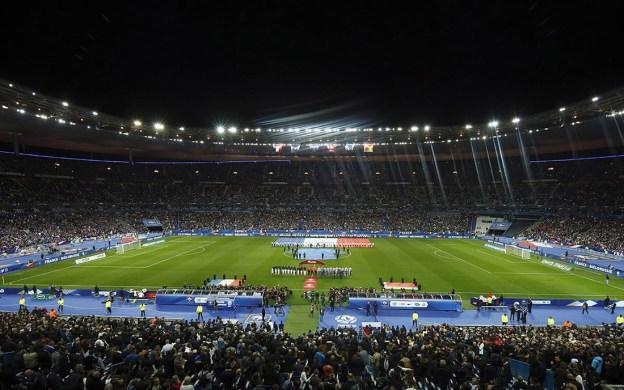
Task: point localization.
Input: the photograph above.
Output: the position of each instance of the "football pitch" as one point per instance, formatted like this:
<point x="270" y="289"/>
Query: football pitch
<point x="439" y="265"/>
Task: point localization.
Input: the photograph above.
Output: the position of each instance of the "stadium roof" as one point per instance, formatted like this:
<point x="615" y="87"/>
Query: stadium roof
<point x="20" y="103"/>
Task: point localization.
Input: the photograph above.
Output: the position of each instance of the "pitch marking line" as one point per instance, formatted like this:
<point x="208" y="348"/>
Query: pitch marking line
<point x="443" y="255"/>
<point x="584" y="277"/>
<point x="596" y="281"/>
<point x="202" y="248"/>
<point x="458" y="258"/>
<point x="37" y="275"/>
<point x="139" y="253"/>
<point x="503" y="257"/>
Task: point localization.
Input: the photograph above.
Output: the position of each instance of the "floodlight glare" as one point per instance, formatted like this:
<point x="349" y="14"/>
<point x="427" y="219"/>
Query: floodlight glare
<point x="220" y="129"/>
<point x="137" y="123"/>
<point x="562" y="109"/>
<point x="159" y="126"/>
<point x="414" y="128"/>
<point x="232" y="129"/>
<point x="468" y="126"/>
<point x="493" y="124"/>
<point x="65" y="104"/>
<point x="94" y="113"/>
<point x="515" y="120"/>
<point x="427" y="128"/>
<point x="595" y="99"/>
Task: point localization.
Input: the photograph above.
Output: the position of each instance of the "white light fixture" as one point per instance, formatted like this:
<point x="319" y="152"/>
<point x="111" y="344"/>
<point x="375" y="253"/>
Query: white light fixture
<point x="34" y="94"/>
<point x="468" y="126"/>
<point x="220" y="129"/>
<point x="65" y="104"/>
<point x="11" y="85"/>
<point x="427" y="128"/>
<point x="493" y="124"/>
<point x="595" y="99"/>
<point x="159" y="126"/>
<point x="515" y="120"/>
<point x="562" y="109"/>
<point x="181" y="128"/>
<point x="137" y="123"/>
<point x="232" y="129"/>
<point x="94" y="113"/>
<point x="414" y="128"/>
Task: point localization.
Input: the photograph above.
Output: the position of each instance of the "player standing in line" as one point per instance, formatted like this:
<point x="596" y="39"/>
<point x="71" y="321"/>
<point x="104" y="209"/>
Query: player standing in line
<point x="109" y="306"/>
<point x="60" y="303"/>
<point x="142" y="309"/>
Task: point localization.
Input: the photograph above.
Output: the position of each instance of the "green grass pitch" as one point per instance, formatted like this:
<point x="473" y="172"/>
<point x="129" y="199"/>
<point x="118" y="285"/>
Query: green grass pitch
<point x="440" y="265"/>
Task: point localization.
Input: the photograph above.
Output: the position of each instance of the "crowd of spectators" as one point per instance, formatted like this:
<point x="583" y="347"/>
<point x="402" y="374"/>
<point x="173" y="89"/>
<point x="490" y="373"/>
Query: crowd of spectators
<point x="44" y="201"/>
<point x="24" y="229"/>
<point x="90" y="353"/>
<point x="586" y="231"/>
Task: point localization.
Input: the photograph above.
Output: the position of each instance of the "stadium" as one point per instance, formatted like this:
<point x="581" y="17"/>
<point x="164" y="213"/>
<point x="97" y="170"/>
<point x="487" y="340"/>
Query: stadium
<point x="304" y="241"/>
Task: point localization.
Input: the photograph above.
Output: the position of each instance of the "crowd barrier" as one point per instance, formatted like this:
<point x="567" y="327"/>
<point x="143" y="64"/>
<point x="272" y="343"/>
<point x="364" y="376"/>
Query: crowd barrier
<point x="148" y="294"/>
<point x="229" y="300"/>
<point x="407" y="304"/>
<point x="541" y="302"/>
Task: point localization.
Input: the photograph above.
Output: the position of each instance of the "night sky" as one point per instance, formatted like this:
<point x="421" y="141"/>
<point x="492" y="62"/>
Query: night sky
<point x="262" y="63"/>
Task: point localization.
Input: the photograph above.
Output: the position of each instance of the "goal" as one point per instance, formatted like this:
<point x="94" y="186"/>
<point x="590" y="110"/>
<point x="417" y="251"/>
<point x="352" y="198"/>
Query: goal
<point x="517" y="251"/>
<point x="128" y="246"/>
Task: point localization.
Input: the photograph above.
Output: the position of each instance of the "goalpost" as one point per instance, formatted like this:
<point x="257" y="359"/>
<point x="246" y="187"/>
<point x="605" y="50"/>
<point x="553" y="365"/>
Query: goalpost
<point x="517" y="251"/>
<point x="128" y="246"/>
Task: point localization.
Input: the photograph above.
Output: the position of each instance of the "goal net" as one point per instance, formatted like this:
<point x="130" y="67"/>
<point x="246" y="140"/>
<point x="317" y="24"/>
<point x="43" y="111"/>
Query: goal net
<point x="516" y="251"/>
<point x="128" y="246"/>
